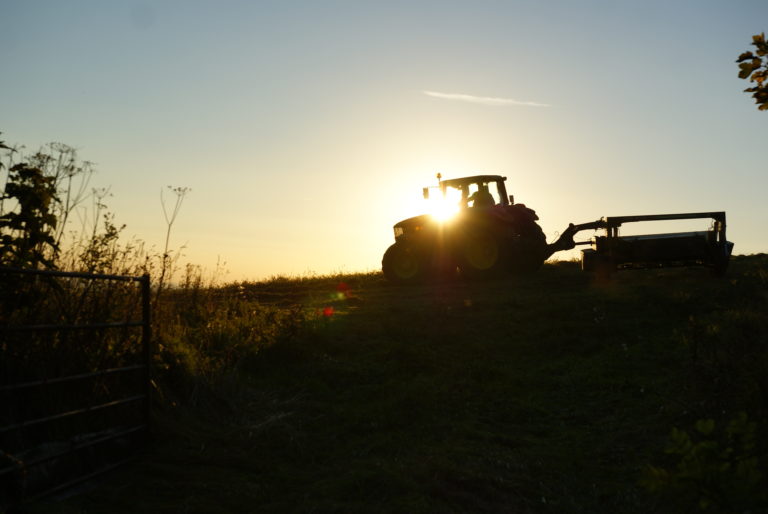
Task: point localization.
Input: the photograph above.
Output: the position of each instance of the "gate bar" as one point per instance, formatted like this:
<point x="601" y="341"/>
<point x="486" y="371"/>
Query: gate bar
<point x="146" y="338"/>
<point x="71" y="274"/>
<point x="83" y="478"/>
<point x="49" y="381"/>
<point x="37" y="421"/>
<point x="91" y="326"/>
<point x="74" y="448"/>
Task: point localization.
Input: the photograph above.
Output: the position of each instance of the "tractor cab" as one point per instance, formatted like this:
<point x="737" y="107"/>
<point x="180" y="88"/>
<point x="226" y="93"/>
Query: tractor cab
<point x="475" y="191"/>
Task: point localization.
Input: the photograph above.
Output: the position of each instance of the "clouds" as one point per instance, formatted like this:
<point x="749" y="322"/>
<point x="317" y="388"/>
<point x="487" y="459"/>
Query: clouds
<point x="484" y="100"/>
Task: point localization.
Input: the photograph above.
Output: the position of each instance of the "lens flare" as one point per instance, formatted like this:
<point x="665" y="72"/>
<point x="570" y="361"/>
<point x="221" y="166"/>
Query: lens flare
<point x="445" y="206"/>
<point x="443" y="210"/>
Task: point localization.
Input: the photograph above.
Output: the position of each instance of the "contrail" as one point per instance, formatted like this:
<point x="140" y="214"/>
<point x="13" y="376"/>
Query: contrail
<point x="485" y="100"/>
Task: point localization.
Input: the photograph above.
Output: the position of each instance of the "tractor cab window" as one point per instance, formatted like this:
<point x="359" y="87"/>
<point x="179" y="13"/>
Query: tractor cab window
<point x="455" y="196"/>
<point x="483" y="195"/>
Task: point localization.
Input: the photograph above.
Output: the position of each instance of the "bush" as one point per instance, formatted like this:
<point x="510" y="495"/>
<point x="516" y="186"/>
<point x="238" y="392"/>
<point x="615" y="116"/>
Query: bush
<point x="714" y="468"/>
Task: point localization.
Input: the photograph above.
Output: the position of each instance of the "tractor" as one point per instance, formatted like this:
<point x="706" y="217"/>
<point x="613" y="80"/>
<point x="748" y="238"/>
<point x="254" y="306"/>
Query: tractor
<point x="477" y="229"/>
<point x="487" y="234"/>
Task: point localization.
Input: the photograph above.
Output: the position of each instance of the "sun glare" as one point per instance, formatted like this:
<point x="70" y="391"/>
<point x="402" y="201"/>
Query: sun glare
<point x="442" y="209"/>
<point x="445" y="207"/>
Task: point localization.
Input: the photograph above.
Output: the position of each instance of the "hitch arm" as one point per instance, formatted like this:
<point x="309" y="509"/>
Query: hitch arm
<point x="565" y="241"/>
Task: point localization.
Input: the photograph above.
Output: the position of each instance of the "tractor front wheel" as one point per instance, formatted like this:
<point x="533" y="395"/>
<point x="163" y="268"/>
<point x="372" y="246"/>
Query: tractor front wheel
<point x="404" y="264"/>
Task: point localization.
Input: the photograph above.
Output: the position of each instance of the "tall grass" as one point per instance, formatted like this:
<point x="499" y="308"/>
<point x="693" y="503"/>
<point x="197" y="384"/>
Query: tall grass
<point x="203" y="330"/>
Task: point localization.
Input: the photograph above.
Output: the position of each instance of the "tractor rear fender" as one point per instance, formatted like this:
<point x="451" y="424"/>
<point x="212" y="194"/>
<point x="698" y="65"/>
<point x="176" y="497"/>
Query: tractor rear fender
<point x="522" y="210"/>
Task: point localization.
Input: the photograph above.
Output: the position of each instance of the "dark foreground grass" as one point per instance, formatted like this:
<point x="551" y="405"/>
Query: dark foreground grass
<point x="549" y="393"/>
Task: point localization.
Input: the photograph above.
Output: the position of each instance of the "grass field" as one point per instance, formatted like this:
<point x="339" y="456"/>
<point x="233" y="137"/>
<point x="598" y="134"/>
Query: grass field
<point x="549" y="393"/>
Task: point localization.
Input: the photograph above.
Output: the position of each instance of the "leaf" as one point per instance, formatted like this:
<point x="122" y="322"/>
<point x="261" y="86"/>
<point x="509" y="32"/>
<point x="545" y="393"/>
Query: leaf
<point x="705" y="426"/>
<point x="745" y="56"/>
<point x="746" y="70"/>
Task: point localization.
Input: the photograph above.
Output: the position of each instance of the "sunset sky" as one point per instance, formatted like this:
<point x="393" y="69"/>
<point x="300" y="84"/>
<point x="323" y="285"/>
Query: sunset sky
<point x="305" y="130"/>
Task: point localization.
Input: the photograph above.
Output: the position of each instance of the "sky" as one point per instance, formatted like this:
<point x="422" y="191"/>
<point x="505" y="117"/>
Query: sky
<point x="306" y="129"/>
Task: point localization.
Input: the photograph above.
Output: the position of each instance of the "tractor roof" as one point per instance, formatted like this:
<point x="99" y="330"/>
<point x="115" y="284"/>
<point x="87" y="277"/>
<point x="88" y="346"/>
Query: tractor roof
<point x="459" y="182"/>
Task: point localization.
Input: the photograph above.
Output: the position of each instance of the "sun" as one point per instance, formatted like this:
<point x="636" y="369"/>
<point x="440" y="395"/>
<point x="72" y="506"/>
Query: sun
<point x="442" y="209"/>
<point x="441" y="206"/>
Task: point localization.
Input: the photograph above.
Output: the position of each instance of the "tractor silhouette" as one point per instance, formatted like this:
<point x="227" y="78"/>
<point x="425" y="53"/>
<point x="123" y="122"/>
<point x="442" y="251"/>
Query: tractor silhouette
<point x="488" y="234"/>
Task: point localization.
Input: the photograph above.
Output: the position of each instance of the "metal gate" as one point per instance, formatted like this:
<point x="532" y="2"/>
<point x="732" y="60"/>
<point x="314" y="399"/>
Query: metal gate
<point x="75" y="381"/>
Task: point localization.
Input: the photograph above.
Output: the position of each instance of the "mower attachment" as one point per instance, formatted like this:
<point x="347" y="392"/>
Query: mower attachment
<point x="612" y="252"/>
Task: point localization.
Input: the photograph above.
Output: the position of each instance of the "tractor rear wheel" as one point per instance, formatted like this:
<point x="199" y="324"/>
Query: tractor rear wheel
<point x="480" y="256"/>
<point x="404" y="264"/>
<point x="529" y="250"/>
